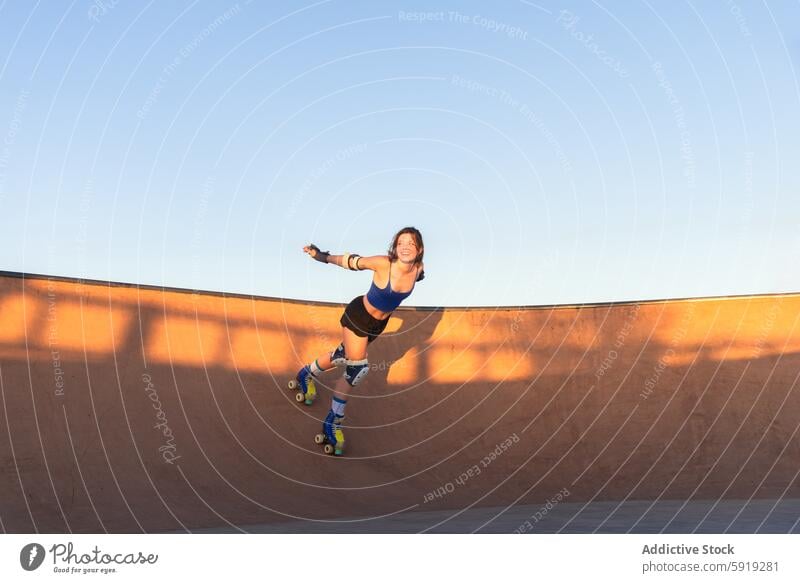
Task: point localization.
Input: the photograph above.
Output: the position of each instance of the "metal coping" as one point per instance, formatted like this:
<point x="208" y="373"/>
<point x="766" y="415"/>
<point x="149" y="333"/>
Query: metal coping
<point x="98" y="282"/>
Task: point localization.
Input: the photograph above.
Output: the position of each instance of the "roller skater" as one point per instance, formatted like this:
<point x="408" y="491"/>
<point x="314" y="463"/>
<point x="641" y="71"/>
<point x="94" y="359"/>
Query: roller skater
<point x="363" y="320"/>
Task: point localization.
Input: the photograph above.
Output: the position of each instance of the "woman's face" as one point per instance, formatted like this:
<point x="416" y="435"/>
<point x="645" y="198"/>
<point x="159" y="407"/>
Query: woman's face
<point x="407" y="248"/>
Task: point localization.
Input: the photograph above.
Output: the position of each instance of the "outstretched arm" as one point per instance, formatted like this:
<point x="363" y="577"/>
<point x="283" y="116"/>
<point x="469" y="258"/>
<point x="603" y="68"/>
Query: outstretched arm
<point x="374" y="262"/>
<point x="352" y="261"/>
<point x="346" y="261"/>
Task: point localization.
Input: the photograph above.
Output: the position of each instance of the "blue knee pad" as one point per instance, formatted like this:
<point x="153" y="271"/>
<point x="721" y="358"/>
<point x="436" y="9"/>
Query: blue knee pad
<point x="337" y="356"/>
<point x="355" y="371"/>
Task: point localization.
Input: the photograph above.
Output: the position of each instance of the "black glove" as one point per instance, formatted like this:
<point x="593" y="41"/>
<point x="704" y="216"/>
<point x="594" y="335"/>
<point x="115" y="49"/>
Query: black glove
<point x="321" y="256"/>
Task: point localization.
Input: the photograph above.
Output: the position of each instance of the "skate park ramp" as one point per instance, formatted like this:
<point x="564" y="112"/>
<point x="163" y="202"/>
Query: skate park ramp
<point x="141" y="409"/>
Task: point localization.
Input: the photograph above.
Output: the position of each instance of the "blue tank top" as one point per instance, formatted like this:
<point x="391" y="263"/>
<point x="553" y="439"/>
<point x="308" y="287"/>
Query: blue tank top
<point x="386" y="299"/>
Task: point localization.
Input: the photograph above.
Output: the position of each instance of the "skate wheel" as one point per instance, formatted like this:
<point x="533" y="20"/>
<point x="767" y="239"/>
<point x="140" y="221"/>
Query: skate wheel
<point x="328" y="448"/>
<point x="319" y="439"/>
<point x="293" y="384"/>
<point x="299" y="397"/>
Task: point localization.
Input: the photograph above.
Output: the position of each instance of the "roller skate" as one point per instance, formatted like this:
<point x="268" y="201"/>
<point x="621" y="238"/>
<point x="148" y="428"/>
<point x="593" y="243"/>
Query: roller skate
<point x="332" y="438"/>
<point x="305" y="386"/>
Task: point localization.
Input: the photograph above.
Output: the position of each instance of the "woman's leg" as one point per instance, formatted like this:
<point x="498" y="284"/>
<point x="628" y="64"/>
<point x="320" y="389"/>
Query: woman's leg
<point x="312" y="370"/>
<point x="355" y="348"/>
<point x="325" y="361"/>
<point x="321" y="364"/>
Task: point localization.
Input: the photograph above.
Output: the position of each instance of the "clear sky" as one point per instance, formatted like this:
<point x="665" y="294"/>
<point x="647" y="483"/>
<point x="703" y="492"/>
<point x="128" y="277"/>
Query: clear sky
<point x="549" y="152"/>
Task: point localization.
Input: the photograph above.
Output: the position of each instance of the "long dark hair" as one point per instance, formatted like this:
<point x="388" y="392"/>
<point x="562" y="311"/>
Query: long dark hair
<point x="414" y="232"/>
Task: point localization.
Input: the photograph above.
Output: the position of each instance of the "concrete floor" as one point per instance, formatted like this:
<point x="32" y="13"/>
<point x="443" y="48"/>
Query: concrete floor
<point x="669" y="516"/>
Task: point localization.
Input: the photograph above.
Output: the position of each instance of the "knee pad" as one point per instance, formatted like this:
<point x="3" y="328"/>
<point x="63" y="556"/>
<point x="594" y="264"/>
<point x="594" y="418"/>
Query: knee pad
<point x="337" y="356"/>
<point x="355" y="371"/>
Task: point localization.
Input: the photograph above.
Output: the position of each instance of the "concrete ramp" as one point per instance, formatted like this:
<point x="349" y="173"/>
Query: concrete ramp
<point x="134" y="409"/>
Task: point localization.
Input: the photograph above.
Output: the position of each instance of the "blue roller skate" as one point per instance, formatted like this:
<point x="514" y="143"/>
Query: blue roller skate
<point x="304" y="383"/>
<point x="332" y="436"/>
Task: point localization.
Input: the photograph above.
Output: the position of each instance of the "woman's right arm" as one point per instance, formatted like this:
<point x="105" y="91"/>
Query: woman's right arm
<point x="356" y="262"/>
<point x="351" y="261"/>
<point x="374" y="262"/>
<point x="339" y="260"/>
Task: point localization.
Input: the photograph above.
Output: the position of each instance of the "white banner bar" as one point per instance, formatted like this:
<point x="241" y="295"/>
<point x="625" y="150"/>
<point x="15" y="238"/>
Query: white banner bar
<point x="402" y="558"/>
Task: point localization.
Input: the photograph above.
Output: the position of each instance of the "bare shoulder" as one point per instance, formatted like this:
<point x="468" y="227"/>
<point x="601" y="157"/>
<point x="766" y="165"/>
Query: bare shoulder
<point x="374" y="262"/>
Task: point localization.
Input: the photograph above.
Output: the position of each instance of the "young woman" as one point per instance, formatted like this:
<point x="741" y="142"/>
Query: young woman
<point x="363" y="320"/>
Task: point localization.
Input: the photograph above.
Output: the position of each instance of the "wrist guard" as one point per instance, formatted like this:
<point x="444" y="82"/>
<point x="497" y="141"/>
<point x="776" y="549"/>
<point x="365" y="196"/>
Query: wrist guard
<point x="321" y="256"/>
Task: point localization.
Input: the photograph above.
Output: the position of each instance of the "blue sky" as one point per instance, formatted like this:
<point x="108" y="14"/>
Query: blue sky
<point x="549" y="152"/>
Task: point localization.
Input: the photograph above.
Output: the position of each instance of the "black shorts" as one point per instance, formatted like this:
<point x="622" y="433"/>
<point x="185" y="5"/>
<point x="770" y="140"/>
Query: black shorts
<point x="360" y="321"/>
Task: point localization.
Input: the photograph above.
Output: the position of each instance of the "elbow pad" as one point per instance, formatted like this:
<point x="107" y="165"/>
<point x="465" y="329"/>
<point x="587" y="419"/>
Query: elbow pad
<point x="351" y="261"/>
